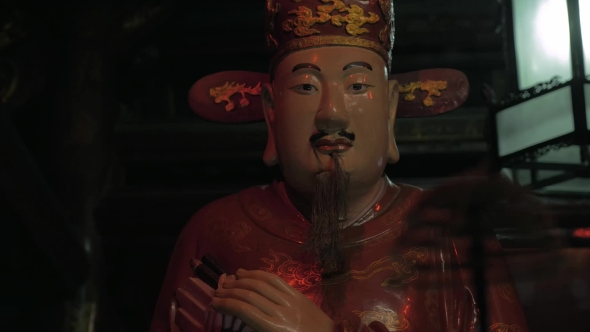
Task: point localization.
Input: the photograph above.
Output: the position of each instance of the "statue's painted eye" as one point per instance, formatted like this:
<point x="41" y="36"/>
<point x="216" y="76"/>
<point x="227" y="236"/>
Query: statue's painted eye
<point x="305" y="88"/>
<point x="358" y="87"/>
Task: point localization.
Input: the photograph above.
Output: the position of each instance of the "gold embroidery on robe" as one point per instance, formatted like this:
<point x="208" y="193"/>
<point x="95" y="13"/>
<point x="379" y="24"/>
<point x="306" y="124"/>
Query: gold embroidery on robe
<point x="507" y="292"/>
<point x="388" y="237"/>
<point x="501" y="327"/>
<point x="295" y="233"/>
<point x="259" y="212"/>
<point x="406" y="267"/>
<point x="397" y="213"/>
<point x="303" y="276"/>
<point x="431" y="304"/>
<point x="300" y="276"/>
<point x="392" y="320"/>
<point x="220" y="231"/>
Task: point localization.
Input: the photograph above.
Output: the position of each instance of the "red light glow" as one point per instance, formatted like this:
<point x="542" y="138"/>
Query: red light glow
<point x="582" y="233"/>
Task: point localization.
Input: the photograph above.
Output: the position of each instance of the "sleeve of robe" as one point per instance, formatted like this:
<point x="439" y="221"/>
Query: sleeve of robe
<point x="451" y="297"/>
<point x="504" y="307"/>
<point x="505" y="312"/>
<point x="178" y="271"/>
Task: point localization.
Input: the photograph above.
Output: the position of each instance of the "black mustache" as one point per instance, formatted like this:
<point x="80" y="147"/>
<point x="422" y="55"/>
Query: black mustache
<point x="316" y="137"/>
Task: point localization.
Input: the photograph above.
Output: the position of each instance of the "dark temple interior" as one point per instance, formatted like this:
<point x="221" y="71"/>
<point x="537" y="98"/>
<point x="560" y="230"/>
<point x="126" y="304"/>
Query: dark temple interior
<point x="103" y="162"/>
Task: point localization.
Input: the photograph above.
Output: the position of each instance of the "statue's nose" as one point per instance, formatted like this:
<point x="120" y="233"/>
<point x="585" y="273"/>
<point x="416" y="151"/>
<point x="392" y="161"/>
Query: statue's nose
<point x="332" y="115"/>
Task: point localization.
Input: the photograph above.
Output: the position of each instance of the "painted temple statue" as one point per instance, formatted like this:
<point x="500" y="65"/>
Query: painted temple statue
<point x="329" y="246"/>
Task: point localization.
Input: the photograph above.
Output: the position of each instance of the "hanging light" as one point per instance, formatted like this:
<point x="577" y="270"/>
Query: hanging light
<point x="542" y="132"/>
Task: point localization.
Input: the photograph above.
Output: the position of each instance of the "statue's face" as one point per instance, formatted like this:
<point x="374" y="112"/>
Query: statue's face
<point x="331" y="100"/>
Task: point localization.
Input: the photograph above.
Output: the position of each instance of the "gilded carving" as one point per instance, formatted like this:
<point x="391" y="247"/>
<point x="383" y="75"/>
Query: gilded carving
<point x="433" y="88"/>
<point x="501" y="327"/>
<point x="225" y="92"/>
<point x="392" y="320"/>
<point x="300" y="276"/>
<point x="221" y="231"/>
<point x="305" y="19"/>
<point x="507" y="292"/>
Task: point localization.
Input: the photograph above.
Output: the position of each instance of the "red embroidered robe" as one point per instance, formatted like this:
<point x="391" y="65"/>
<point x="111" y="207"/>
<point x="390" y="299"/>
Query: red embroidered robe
<point x="259" y="228"/>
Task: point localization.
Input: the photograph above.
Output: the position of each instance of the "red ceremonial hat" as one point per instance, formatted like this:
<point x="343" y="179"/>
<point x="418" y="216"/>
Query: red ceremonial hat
<point x="293" y="25"/>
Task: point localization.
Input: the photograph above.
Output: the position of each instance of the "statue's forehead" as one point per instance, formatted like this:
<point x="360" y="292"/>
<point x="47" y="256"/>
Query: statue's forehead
<point x="331" y="56"/>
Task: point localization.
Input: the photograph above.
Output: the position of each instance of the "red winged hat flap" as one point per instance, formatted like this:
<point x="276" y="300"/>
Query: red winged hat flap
<point x="229" y="96"/>
<point x="235" y="96"/>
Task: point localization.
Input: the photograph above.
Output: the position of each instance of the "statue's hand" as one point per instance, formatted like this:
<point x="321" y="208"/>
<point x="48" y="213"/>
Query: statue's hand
<point x="193" y="312"/>
<point x="266" y="302"/>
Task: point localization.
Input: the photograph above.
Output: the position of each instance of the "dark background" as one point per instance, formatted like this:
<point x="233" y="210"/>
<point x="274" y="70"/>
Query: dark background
<point x="103" y="161"/>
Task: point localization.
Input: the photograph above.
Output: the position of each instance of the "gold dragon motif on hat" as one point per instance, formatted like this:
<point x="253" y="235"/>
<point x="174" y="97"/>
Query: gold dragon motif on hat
<point x="305" y="19"/>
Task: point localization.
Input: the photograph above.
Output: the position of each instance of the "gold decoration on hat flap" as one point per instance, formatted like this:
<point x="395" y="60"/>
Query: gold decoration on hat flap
<point x="225" y="92"/>
<point x="355" y="19"/>
<point x="433" y="88"/>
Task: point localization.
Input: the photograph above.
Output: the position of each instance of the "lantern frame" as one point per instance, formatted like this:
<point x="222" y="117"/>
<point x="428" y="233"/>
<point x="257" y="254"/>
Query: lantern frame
<point x="528" y="157"/>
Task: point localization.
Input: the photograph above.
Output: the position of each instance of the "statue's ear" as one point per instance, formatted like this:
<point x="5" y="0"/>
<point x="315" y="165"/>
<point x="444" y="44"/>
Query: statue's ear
<point x="393" y="152"/>
<point x="270" y="157"/>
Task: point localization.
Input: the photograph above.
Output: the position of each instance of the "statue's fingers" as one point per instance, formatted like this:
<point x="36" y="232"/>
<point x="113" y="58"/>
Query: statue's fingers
<point x="247" y="313"/>
<point x="262" y="288"/>
<point x="269" y="278"/>
<point x="243" y="295"/>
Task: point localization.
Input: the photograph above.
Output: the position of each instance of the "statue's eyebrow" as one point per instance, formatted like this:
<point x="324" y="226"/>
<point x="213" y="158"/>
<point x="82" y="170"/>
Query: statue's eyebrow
<point x="357" y="64"/>
<point x="306" y="66"/>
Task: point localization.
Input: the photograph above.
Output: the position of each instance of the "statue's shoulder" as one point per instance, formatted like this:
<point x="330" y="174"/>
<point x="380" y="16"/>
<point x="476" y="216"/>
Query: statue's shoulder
<point x="225" y="208"/>
<point x="410" y="188"/>
<point x="409" y="192"/>
<point x="214" y="222"/>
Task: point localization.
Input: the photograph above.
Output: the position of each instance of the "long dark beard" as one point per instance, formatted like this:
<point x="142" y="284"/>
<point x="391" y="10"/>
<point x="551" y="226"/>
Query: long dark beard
<point x="325" y="237"/>
<point x="328" y="206"/>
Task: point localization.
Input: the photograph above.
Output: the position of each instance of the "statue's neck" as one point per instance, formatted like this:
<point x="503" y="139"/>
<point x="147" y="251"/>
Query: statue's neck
<point x="358" y="202"/>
